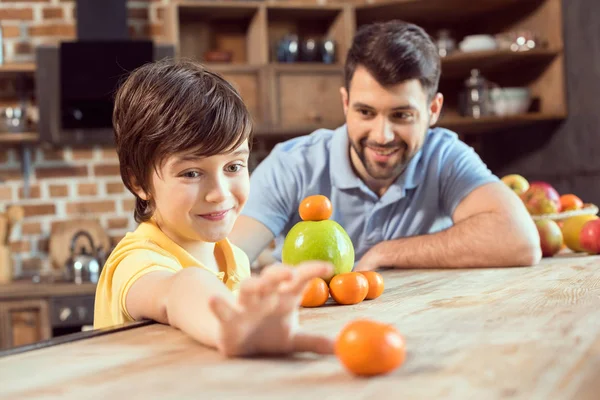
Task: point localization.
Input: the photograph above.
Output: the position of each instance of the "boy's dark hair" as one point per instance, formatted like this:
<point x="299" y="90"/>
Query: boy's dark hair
<point x="169" y="107"/>
<point x="393" y="52"/>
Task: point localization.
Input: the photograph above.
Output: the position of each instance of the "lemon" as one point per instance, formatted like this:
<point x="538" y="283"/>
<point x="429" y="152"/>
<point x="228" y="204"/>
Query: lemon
<point x="571" y="228"/>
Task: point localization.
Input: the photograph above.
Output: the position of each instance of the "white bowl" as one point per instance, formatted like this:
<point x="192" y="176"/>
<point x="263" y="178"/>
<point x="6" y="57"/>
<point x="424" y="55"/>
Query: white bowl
<point x="478" y="43"/>
<point x="510" y="100"/>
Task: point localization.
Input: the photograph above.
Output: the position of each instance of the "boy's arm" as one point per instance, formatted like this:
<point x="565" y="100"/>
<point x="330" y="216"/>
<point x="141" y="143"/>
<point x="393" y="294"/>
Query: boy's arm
<point x="263" y="319"/>
<point x="179" y="299"/>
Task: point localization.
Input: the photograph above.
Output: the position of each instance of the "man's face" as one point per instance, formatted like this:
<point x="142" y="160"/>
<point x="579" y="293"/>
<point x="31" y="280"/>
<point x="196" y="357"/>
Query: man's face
<point x="386" y="125"/>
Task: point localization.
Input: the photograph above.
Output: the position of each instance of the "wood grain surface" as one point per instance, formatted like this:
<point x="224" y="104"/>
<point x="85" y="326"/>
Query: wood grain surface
<point x="517" y="333"/>
<point x="30" y="290"/>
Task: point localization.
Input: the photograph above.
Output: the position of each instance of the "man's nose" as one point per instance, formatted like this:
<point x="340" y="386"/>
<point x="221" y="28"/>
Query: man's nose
<point x="383" y="132"/>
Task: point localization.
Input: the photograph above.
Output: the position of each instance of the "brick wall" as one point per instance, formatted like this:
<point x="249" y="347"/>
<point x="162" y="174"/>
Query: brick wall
<point x="48" y="21"/>
<point x="66" y="183"/>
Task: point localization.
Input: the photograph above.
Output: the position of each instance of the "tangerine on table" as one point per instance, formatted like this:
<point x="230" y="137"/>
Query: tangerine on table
<point x="570" y="202"/>
<point x="368" y="348"/>
<point x="349" y="288"/>
<point x="315" y="208"/>
<point x="375" y="284"/>
<point x="315" y="294"/>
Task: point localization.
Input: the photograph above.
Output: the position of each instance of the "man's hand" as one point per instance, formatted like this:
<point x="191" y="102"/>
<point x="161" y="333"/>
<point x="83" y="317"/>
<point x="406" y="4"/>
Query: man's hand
<point x="264" y="318"/>
<point x="369" y="261"/>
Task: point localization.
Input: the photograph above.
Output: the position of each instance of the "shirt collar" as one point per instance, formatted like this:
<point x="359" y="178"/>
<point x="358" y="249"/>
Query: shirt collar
<point x="343" y="176"/>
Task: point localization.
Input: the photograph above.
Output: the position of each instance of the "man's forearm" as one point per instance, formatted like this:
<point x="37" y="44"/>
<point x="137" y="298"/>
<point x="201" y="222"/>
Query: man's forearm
<point x="187" y="304"/>
<point x="483" y="240"/>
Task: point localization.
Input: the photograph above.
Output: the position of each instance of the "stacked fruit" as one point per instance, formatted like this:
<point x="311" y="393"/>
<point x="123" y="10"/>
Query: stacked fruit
<point x="579" y="233"/>
<point x="317" y="237"/>
<point x="364" y="347"/>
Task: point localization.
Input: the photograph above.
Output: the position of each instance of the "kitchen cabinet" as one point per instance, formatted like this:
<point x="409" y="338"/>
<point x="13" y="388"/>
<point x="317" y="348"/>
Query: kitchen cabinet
<point x="30" y="312"/>
<point x="23" y="322"/>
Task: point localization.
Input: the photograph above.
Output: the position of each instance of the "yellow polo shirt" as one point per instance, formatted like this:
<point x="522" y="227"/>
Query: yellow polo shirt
<point x="148" y="249"/>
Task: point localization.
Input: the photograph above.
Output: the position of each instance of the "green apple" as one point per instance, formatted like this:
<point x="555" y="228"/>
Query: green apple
<point x="319" y="240"/>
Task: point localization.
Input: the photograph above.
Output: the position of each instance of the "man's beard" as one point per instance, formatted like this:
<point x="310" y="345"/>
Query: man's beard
<point x="382" y="171"/>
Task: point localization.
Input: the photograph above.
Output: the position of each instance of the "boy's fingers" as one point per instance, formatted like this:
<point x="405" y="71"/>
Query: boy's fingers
<point x="222" y="309"/>
<point x="273" y="276"/>
<point x="307" y="271"/>
<point x="250" y="291"/>
<point x="313" y="343"/>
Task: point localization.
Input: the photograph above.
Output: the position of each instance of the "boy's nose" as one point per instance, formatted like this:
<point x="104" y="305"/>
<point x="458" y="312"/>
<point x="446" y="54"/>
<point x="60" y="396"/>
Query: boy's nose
<point x="218" y="192"/>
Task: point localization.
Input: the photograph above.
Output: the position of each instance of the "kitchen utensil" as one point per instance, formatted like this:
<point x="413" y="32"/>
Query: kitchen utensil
<point x="62" y="232"/>
<point x="3" y="229"/>
<point x="445" y="43"/>
<point x="309" y="50"/>
<point x="14" y="215"/>
<point x="288" y="49"/>
<point x="82" y="266"/>
<point x="475" y="99"/>
<point x="328" y="51"/>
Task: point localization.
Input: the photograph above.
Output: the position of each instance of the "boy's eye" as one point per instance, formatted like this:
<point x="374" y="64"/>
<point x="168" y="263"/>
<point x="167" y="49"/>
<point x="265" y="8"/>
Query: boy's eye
<point x="365" y="112"/>
<point x="191" y="174"/>
<point x="234" y="168"/>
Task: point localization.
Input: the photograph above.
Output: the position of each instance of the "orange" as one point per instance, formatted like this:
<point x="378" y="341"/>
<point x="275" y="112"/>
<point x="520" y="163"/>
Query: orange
<point x="315" y="208"/>
<point x="570" y="202"/>
<point x="375" y="284"/>
<point x="349" y="288"/>
<point x="315" y="294"/>
<point x="368" y="348"/>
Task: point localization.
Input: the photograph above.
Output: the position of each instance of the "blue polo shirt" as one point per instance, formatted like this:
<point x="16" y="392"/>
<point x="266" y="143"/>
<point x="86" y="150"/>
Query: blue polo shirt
<point x="422" y="200"/>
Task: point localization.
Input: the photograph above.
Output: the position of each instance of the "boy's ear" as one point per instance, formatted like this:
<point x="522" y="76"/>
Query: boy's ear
<point x="141" y="193"/>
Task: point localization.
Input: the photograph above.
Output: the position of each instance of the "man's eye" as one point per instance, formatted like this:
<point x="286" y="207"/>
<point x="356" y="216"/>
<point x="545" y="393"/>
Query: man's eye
<point x="402" y="115"/>
<point x="365" y="113"/>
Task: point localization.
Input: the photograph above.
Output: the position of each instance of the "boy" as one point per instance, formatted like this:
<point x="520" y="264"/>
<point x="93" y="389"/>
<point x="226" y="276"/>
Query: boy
<point x="182" y="136"/>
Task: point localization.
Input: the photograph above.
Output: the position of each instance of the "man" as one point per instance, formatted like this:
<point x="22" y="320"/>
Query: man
<point x="408" y="195"/>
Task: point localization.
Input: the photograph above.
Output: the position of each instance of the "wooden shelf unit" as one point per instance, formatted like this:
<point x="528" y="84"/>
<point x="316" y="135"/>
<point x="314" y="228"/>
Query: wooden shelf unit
<point x="18" y="137"/>
<point x="17" y="68"/>
<point x="299" y="97"/>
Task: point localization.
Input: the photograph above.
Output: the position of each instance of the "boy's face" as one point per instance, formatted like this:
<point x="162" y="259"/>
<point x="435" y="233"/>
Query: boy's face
<point x="199" y="199"/>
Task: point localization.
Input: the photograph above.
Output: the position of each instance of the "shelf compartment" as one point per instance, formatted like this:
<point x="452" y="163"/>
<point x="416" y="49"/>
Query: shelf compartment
<point x="236" y="27"/>
<point x="318" y="22"/>
<point x="459" y="64"/>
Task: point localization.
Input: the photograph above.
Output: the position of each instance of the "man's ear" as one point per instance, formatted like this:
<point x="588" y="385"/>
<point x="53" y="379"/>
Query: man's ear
<point x="435" y="108"/>
<point x="345" y="99"/>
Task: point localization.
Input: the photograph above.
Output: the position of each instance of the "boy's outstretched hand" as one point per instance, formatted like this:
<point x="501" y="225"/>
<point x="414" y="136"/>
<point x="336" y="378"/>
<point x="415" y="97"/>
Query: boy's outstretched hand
<point x="264" y="317"/>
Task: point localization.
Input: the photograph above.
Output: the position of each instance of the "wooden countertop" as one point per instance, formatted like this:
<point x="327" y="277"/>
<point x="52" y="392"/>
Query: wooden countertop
<point x="29" y="290"/>
<point x="518" y="333"/>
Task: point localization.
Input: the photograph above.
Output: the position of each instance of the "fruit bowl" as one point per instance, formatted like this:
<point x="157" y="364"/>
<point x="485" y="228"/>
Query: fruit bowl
<point x="587" y="209"/>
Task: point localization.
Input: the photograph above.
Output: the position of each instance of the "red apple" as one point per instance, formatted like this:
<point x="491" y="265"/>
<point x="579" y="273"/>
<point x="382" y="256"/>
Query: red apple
<point x="541" y="198"/>
<point x="551" y="237"/>
<point x="589" y="238"/>
<point x="516" y="183"/>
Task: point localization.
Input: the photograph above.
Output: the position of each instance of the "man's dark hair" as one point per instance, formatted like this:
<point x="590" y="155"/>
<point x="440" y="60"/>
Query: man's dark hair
<point x="394" y="52"/>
